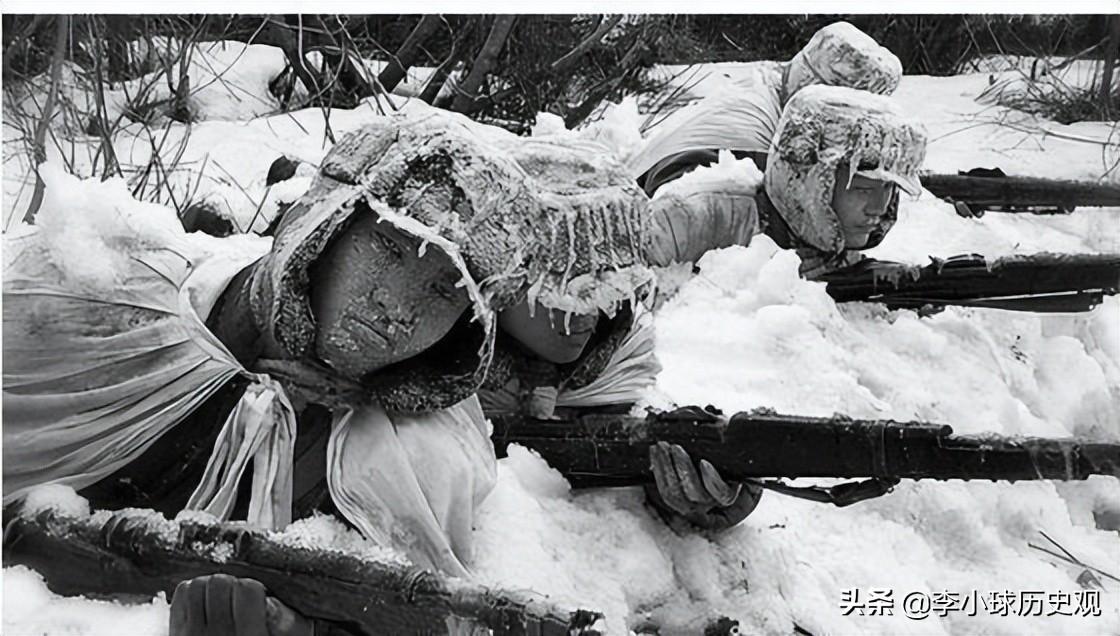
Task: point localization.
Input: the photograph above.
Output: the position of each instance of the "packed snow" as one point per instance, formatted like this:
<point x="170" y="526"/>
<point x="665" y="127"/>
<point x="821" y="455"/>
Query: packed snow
<point x="747" y="332"/>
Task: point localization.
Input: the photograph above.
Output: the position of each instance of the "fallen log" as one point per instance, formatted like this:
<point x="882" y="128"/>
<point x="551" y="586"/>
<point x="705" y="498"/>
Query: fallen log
<point x="141" y="552"/>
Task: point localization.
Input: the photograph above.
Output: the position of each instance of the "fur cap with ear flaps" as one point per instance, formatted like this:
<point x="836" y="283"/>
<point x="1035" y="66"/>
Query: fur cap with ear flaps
<point x="823" y="127"/>
<point x="557" y="221"/>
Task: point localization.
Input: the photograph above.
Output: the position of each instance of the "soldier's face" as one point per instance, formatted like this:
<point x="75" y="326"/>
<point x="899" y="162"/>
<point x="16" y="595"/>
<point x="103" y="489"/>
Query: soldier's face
<point x="376" y="301"/>
<point x="545" y="333"/>
<point x="859" y="205"/>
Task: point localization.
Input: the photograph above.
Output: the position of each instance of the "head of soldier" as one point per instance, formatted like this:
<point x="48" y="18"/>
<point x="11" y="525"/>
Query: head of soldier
<point x="379" y="299"/>
<point x="837" y="163"/>
<point x="556" y="336"/>
<point x="860" y="203"/>
<point x="842" y="55"/>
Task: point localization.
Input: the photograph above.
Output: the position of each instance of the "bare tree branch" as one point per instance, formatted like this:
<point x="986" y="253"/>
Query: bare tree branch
<point x="1109" y="63"/>
<point x="405" y="57"/>
<point x="62" y="27"/>
<point x="467" y="100"/>
<point x="570" y="58"/>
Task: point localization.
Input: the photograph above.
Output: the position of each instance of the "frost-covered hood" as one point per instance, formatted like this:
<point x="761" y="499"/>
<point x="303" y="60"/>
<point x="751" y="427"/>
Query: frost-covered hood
<point x="561" y="222"/>
<point x="823" y="126"/>
<point x="842" y="55"/>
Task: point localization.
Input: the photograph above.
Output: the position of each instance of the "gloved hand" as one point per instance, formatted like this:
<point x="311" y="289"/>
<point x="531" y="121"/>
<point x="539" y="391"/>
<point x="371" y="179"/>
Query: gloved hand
<point x="703" y="499"/>
<point x="224" y="605"/>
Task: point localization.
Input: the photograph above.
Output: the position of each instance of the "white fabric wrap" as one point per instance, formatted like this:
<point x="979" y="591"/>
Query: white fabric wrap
<point x="94" y="374"/>
<point x="631" y="369"/>
<point x="413" y="481"/>
<point x="742" y="115"/>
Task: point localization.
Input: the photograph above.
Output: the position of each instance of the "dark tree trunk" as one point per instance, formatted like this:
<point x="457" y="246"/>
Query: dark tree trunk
<point x="1110" y="53"/>
<point x="467" y="99"/>
<point x="458" y="53"/>
<point x="405" y="57"/>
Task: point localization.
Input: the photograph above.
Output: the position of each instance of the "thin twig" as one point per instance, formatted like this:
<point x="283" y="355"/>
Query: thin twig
<point x="62" y="26"/>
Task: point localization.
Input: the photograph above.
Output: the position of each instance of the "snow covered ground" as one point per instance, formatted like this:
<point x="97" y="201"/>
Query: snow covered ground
<point x="749" y="333"/>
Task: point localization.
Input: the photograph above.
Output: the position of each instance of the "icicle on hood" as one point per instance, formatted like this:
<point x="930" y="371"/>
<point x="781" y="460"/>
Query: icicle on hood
<point x="842" y="55"/>
<point x="561" y="222"/>
<point x="823" y="126"/>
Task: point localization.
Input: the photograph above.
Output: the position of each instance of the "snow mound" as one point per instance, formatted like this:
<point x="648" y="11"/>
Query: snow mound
<point x="30" y="608"/>
<point x="747" y="332"/>
<point x="615" y="128"/>
<point x="729" y="174"/>
<point x="57" y="498"/>
<point x="90" y="228"/>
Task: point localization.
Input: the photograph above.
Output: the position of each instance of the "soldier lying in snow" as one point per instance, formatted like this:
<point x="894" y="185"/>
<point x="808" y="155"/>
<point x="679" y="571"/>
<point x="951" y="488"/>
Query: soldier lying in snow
<point x="837" y="159"/>
<point x="744" y="115"/>
<point x="372" y="316"/>
<point x="164" y="409"/>
<point x="831" y="185"/>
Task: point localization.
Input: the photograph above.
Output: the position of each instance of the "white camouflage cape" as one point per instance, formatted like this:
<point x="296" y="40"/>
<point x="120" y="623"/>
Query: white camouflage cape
<point x="94" y="374"/>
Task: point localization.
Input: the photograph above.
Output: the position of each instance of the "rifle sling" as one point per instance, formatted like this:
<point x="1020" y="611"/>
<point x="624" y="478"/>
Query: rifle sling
<point x="840" y="495"/>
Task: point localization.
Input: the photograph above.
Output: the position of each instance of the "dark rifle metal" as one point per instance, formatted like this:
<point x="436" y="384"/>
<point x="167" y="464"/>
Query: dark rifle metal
<point x="596" y="449"/>
<point x="999" y="193"/>
<point x="1037" y="282"/>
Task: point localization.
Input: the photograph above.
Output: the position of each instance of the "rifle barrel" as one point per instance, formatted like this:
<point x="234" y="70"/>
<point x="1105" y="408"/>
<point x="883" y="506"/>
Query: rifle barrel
<point x="1021" y="191"/>
<point x="139" y="552"/>
<point x="1036" y="282"/>
<point x="612" y="450"/>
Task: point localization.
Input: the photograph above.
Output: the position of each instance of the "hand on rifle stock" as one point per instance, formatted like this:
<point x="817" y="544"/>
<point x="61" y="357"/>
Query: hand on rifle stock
<point x="224" y="605"/>
<point x="701" y="497"/>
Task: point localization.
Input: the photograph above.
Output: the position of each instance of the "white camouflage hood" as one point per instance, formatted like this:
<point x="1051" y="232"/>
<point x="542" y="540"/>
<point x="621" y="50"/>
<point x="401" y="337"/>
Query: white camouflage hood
<point x="842" y="55"/>
<point x="823" y="126"/>
<point x="559" y="221"/>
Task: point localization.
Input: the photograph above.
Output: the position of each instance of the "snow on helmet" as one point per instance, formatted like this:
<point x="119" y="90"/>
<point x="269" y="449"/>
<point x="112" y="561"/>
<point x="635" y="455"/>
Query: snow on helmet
<point x="560" y="222"/>
<point x="823" y="126"/>
<point x="842" y="55"/>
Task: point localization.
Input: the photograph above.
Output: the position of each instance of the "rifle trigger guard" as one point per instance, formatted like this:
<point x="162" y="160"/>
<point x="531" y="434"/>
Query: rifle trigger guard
<point x="840" y="495"/>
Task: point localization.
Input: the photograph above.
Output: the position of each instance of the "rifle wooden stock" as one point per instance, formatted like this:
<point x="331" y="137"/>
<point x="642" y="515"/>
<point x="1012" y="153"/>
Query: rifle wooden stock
<point x="138" y="552"/>
<point x="994" y="192"/>
<point x="595" y="450"/>
<point x="1037" y="282"/>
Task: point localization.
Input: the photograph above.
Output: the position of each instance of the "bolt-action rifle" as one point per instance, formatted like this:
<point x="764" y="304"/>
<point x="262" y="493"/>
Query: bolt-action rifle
<point x="981" y="190"/>
<point x="603" y="449"/>
<point x="139" y="552"/>
<point x="1036" y="282"/>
